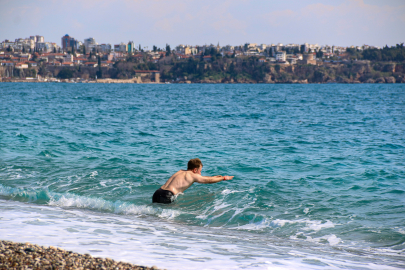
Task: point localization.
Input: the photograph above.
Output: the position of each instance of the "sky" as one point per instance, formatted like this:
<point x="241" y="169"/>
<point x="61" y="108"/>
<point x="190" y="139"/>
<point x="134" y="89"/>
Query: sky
<point x="192" y="22"/>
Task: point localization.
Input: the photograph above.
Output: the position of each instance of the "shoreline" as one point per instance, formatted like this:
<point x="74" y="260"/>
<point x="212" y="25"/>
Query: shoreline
<point x="14" y="255"/>
<point x="182" y="82"/>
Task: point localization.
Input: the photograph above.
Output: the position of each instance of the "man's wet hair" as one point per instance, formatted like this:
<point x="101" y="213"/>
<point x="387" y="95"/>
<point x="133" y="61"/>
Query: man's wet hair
<point x="194" y="163"/>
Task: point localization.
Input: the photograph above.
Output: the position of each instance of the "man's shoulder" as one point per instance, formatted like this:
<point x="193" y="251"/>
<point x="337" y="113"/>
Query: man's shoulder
<point x="180" y="173"/>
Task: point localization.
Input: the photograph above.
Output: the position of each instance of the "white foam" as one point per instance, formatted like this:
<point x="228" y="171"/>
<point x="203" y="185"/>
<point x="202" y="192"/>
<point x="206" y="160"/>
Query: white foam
<point x="280" y="222"/>
<point x="333" y="239"/>
<point x="169" y="244"/>
<point x="93" y="174"/>
<point x="317" y="225"/>
<point x="400" y="230"/>
<point x="169" y="214"/>
<point x="265" y="223"/>
<point x="229" y="191"/>
<point x="117" y="207"/>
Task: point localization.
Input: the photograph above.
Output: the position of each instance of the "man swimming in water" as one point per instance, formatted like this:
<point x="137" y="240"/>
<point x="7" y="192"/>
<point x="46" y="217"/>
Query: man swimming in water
<point x="182" y="180"/>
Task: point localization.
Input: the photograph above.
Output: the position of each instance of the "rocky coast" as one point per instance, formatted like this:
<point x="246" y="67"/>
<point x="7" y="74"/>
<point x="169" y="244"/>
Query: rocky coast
<point x="30" y="256"/>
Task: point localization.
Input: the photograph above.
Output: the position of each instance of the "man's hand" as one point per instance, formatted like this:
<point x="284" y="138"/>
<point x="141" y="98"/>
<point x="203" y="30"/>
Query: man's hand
<point x="228" y="177"/>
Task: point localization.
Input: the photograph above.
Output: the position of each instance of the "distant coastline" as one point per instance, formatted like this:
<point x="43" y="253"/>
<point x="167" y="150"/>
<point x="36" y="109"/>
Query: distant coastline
<point x="208" y="64"/>
<point x="387" y="80"/>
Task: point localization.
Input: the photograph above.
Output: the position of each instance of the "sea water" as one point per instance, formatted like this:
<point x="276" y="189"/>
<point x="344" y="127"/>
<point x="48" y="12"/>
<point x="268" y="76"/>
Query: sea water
<point x="319" y="173"/>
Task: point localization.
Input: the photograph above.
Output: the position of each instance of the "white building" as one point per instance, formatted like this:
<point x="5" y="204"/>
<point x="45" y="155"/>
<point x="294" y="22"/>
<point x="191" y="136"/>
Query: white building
<point x="122" y="47"/>
<point x="281" y="56"/>
<point x="39" y="39"/>
<point x="45" y="46"/>
<point x="90" y="43"/>
<point x="68" y="58"/>
<point x="262" y="47"/>
<point x="106" y="48"/>
<point x="312" y="47"/>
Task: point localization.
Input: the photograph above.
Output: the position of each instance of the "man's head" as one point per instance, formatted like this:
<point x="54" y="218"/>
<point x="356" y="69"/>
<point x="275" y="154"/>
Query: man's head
<point x="194" y="164"/>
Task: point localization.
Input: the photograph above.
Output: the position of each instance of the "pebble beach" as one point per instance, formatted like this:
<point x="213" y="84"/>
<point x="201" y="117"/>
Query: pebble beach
<point x="30" y="256"/>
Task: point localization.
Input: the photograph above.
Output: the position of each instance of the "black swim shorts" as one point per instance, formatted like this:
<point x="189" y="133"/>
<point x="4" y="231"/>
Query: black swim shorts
<point x="163" y="196"/>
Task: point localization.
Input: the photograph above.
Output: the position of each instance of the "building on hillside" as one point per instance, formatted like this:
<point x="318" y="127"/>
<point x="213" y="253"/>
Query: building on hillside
<point x="53" y="56"/>
<point x="68" y="42"/>
<point x="32" y="63"/>
<point x="104" y="48"/>
<point x="39" y="38"/>
<point x="207" y="58"/>
<point x="90" y="44"/>
<point x="8" y="63"/>
<point x="131" y="47"/>
<point x="152" y="74"/>
<point x="20" y="44"/>
<point x="180" y="48"/>
<point x="79" y="60"/>
<point x="21" y="65"/>
<point x="250" y="45"/>
<point x="281" y="56"/>
<point x="262" y="47"/>
<point x="292" y="59"/>
<point x="310" y="47"/>
<point x="68" y="58"/>
<point x="187" y="50"/>
<point x="308" y="59"/>
<point x="122" y="47"/>
<point x="46" y="47"/>
<point x="91" y="64"/>
<point x="107" y="63"/>
<point x="228" y="48"/>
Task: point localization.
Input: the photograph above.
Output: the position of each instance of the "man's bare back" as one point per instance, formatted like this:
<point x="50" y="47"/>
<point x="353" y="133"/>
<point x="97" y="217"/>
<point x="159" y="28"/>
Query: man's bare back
<point x="183" y="179"/>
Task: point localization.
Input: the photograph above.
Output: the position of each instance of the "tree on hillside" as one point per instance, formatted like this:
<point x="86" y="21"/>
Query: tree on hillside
<point x="168" y="51"/>
<point x="65" y="74"/>
<point x="319" y="54"/>
<point x="99" y="73"/>
<point x="302" y="49"/>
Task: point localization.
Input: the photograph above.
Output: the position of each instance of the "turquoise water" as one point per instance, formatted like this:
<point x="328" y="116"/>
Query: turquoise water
<point x="319" y="173"/>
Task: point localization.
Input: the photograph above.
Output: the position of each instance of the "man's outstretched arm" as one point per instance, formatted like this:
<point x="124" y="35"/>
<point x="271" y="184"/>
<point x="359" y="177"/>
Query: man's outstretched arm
<point x="211" y="179"/>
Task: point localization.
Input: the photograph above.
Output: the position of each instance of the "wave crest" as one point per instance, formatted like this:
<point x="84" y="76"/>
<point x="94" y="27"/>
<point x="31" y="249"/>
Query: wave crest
<point x="84" y="202"/>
